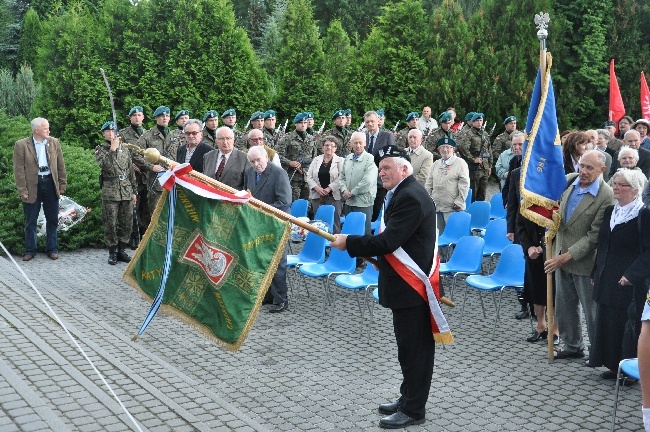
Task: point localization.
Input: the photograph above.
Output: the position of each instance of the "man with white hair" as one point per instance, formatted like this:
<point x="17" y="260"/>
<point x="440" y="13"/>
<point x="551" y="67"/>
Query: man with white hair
<point x="226" y="163"/>
<point x="41" y="179"/>
<point x="409" y="222"/>
<point x="421" y="158"/>
<point x="632" y="139"/>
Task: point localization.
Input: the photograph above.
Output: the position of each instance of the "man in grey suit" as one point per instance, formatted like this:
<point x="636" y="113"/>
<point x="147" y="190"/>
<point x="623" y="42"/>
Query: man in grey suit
<point x="226" y="164"/>
<point x="375" y="140"/>
<point x="270" y="184"/>
<point x="582" y="207"/>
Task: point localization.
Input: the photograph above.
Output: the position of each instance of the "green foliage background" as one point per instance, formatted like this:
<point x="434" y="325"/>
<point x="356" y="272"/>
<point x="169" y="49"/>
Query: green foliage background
<point x="296" y="55"/>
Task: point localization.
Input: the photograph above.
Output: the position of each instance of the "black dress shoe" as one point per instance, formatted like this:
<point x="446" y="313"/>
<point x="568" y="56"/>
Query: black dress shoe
<point x="535" y="337"/>
<point x="608" y="375"/>
<point x="523" y="314"/>
<point x="561" y="354"/>
<point x="280" y="308"/>
<point x="267" y="301"/>
<point x="398" y="420"/>
<point x="388" y="408"/>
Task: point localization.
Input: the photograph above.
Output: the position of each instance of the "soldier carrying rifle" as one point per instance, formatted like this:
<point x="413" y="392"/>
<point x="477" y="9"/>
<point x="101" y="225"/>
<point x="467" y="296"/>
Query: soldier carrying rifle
<point x="474" y="147"/>
<point x="296" y="150"/>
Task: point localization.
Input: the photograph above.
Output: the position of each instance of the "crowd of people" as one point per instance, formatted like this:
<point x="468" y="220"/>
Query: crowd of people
<point x="601" y="253"/>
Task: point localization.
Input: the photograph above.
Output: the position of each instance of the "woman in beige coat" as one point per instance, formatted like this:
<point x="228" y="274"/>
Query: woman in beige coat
<point x="323" y="181"/>
<point x="448" y="182"/>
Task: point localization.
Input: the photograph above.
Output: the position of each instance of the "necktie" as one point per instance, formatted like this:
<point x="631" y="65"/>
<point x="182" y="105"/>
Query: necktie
<point x="257" y="177"/>
<point x="221" y="167"/>
<point x="372" y="144"/>
<point x="389" y="196"/>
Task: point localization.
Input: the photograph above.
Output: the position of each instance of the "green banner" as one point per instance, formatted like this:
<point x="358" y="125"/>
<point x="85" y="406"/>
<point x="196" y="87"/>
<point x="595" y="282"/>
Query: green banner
<point x="224" y="256"/>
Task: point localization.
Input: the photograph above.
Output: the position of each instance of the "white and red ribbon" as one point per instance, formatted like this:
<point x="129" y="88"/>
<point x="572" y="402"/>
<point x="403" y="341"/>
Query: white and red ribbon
<point x="179" y="174"/>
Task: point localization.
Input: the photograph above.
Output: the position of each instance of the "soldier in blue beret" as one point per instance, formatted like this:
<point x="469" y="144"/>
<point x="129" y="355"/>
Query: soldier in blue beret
<point x="176" y="136"/>
<point x="339" y="134"/>
<point x="257" y="120"/>
<point x="310" y="122"/>
<point x="503" y="142"/>
<point x="119" y="186"/>
<point x="381" y="118"/>
<point x="270" y="135"/>
<point x="210" y="125"/>
<point x="474" y="147"/>
<point x="229" y="119"/>
<point x="411" y="123"/>
<point x="348" y="118"/>
<point x="297" y="149"/>
<point x="130" y="135"/>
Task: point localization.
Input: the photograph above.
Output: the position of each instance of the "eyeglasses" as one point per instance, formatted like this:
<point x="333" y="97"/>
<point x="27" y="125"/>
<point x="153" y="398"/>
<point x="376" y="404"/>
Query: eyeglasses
<point x="621" y="185"/>
<point x="256" y="139"/>
<point x="193" y="133"/>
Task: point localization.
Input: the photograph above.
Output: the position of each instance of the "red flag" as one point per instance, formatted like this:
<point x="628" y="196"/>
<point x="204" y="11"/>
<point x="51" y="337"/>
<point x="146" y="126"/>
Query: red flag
<point x="616" y="108"/>
<point x="645" y="98"/>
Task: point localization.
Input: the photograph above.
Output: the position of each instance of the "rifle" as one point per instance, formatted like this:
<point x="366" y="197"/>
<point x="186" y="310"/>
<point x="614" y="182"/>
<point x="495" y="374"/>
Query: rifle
<point x="322" y="127"/>
<point x="235" y="128"/>
<point x="110" y="98"/>
<point x="360" y="128"/>
<point x="284" y="128"/>
<point x="395" y="127"/>
<point x="493" y="127"/>
<point x="246" y="127"/>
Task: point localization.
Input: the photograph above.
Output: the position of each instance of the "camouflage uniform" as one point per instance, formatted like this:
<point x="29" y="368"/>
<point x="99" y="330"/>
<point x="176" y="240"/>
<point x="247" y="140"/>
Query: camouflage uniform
<point x="207" y="139"/>
<point x="118" y="187"/>
<point x="295" y="148"/>
<point x="501" y="143"/>
<point x="177" y="138"/>
<point x="153" y="138"/>
<point x="141" y="216"/>
<point x="341" y="137"/>
<point x="270" y="139"/>
<point x="430" y="142"/>
<point x="402" y="138"/>
<point x="476" y="143"/>
<point x="241" y="140"/>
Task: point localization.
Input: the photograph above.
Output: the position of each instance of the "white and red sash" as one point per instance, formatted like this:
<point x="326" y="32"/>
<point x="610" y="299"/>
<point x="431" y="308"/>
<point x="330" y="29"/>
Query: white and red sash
<point x="428" y="287"/>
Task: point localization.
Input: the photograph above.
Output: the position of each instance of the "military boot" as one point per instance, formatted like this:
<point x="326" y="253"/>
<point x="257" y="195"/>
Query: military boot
<point x="121" y="253"/>
<point x="135" y="241"/>
<point x="112" y="255"/>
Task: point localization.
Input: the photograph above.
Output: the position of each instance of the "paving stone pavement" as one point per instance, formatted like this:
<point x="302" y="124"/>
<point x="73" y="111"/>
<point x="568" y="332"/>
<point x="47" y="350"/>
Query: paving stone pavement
<point x="308" y="369"/>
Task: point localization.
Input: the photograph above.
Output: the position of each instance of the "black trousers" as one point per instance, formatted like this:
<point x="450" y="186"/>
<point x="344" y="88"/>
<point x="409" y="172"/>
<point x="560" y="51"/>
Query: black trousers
<point x="415" y="352"/>
<point x="379" y="202"/>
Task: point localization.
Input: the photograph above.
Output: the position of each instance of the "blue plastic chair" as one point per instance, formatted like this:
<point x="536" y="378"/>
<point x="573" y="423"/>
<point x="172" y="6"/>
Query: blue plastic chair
<point x="466" y="259"/>
<point x="495" y="239"/>
<point x="361" y="282"/>
<point x="508" y="273"/>
<point x="374" y="225"/>
<point x="313" y="251"/>
<point x="468" y="200"/>
<point x="497" y="211"/>
<point x="338" y="262"/>
<point x="325" y="213"/>
<point x="480" y="211"/>
<point x="630" y="367"/>
<point x="299" y="208"/>
<point x="457" y="226"/>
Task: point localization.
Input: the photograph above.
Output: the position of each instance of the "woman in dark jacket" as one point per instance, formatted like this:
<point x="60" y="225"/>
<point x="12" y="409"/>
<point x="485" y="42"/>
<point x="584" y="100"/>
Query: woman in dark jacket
<point x="574" y="147"/>
<point x="620" y="271"/>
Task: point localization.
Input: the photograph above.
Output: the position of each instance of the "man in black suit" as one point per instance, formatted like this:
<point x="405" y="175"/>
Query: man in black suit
<point x="375" y="140"/>
<point x="193" y="150"/>
<point x="410" y="227"/>
<point x="226" y="163"/>
<point x="269" y="183"/>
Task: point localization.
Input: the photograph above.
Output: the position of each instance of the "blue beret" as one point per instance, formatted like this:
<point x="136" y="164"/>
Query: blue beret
<point x="309" y="114"/>
<point x="477" y="116"/>
<point x="181" y="113"/>
<point x="469" y="116"/>
<point x="380" y="112"/>
<point x="257" y="115"/>
<point x="300" y="117"/>
<point x="412" y="115"/>
<point x="210" y="114"/>
<point x="107" y="125"/>
<point x="390" y="150"/>
<point x="337" y="114"/>
<point x="444" y="117"/>
<point x="161" y="110"/>
<point x="509" y="119"/>
<point x="269" y="114"/>
<point x="229" y="112"/>
<point x="136" y="109"/>
<point x="608" y="123"/>
<point x="348" y="112"/>
<point x="446" y="141"/>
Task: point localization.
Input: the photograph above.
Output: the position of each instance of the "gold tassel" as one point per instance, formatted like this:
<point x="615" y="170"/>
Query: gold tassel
<point x="444" y="338"/>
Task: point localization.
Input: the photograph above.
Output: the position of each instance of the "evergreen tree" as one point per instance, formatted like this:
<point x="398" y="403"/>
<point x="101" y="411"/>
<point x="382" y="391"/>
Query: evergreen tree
<point x="299" y="68"/>
<point x="29" y="37"/>
<point x="393" y="61"/>
<point x="271" y="42"/>
<point x="7" y="91"/>
<point x="257" y="19"/>
<point x="26" y="92"/>
<point x="356" y="16"/>
<point x="340" y="60"/>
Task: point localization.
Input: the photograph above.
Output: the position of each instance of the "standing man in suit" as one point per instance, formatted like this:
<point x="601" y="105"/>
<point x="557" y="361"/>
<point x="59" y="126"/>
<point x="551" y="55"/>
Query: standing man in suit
<point x="270" y="184"/>
<point x="194" y="149"/>
<point x="226" y="163"/>
<point x="376" y="139"/>
<point x="41" y="179"/>
<point x="582" y="208"/>
<point x="410" y="228"/>
<point x="421" y="158"/>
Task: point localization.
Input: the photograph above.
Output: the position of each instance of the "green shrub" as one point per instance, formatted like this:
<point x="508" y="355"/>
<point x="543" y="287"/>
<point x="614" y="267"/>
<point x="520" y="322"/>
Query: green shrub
<point x="83" y="187"/>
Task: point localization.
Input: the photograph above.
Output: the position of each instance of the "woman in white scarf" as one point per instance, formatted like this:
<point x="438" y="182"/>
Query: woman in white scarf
<point x="620" y="271"/>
